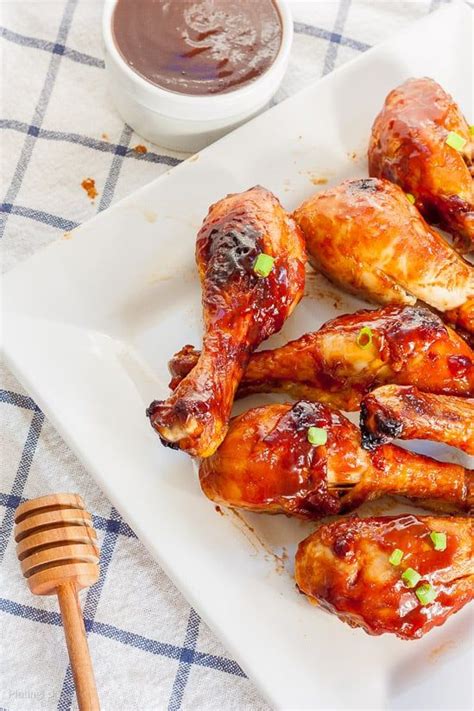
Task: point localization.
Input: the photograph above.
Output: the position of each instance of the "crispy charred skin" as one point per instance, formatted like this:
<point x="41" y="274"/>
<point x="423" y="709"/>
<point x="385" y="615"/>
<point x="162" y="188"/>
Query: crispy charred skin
<point x="367" y="238"/>
<point x="240" y="308"/>
<point x="399" y="412"/>
<point x="266" y="464"/>
<point x="410" y="345"/>
<point x="408" y="146"/>
<point x="345" y="567"/>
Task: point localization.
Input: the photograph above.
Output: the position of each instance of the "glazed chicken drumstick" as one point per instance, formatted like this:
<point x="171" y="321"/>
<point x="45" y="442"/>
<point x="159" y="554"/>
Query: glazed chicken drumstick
<point x="251" y="261"/>
<point x="403" y="575"/>
<point x="365" y="236"/>
<point x="306" y="460"/>
<point x="421" y="141"/>
<point x="354" y="353"/>
<point x="399" y="412"/>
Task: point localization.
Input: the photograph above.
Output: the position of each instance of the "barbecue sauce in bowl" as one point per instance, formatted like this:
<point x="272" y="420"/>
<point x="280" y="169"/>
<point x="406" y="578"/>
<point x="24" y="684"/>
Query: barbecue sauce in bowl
<point x="198" y="47"/>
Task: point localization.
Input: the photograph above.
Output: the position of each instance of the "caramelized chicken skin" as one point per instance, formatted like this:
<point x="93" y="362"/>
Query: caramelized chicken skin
<point x="267" y="464"/>
<point x="399" y="412"/>
<point x="366" y="237"/>
<point x="409" y="345"/>
<point x="408" y="146"/>
<point x="241" y="309"/>
<point x="345" y="566"/>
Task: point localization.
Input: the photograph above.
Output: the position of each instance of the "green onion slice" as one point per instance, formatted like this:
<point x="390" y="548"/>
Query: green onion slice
<point x="426" y="593"/>
<point x="317" y="436"/>
<point x="471" y="129"/>
<point x="456" y="141"/>
<point x="439" y="540"/>
<point x="396" y="557"/>
<point x="263" y="265"/>
<point x="410" y="198"/>
<point x="411" y="577"/>
<point x="364" y="337"/>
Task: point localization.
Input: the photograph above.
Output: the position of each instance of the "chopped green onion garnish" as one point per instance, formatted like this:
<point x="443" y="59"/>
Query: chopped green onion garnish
<point x="317" y="436"/>
<point x="364" y="337"/>
<point x="456" y="141"/>
<point x="396" y="557"/>
<point x="439" y="540"/>
<point x="411" y="577"/>
<point x="411" y="198"/>
<point x="426" y="593"/>
<point x="263" y="265"/>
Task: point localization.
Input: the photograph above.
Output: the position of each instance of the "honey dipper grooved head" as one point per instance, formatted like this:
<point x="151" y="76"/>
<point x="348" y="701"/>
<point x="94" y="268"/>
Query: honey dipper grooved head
<point x="56" y="543"/>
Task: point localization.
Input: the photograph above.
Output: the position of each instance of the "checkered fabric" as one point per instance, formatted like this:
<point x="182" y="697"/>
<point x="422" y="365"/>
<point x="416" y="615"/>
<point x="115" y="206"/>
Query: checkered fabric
<point x="150" y="649"/>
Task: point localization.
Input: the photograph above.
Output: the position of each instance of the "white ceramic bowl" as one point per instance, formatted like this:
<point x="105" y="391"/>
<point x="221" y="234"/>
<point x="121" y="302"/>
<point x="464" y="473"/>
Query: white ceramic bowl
<point x="186" y="122"/>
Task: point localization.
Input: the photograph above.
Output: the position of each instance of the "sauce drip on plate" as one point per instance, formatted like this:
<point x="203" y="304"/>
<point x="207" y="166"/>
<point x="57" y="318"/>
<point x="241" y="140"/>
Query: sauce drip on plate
<point x="198" y="46"/>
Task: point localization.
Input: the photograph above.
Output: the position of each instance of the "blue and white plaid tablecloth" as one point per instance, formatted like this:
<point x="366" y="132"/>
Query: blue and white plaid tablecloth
<point x="150" y="649"/>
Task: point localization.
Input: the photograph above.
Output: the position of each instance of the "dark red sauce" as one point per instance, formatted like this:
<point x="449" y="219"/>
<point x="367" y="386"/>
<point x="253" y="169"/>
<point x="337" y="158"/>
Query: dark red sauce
<point x="304" y="465"/>
<point x="198" y="46"/>
<point x="381" y="602"/>
<point x="460" y="365"/>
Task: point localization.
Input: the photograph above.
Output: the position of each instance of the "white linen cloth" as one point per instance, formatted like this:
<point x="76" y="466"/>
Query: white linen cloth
<point x="58" y="127"/>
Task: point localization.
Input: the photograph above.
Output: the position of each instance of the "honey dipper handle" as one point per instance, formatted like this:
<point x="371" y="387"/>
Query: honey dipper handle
<point x="78" y="649"/>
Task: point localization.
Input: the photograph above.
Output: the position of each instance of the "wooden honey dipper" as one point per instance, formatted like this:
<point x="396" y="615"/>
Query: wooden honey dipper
<point x="58" y="553"/>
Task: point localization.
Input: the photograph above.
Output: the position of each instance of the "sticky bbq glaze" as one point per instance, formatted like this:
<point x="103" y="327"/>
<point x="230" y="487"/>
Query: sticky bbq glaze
<point x="266" y="464"/>
<point x="408" y="146"/>
<point x="240" y="310"/>
<point x="345" y="566"/>
<point x="409" y="345"/>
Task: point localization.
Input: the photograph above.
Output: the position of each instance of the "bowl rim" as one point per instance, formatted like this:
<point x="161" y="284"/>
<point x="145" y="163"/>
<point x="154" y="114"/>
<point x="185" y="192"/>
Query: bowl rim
<point x="230" y="98"/>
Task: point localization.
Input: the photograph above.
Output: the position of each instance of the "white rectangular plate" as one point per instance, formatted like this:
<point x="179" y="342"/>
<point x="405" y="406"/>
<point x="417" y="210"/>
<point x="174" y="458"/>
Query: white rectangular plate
<point x="91" y="322"/>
